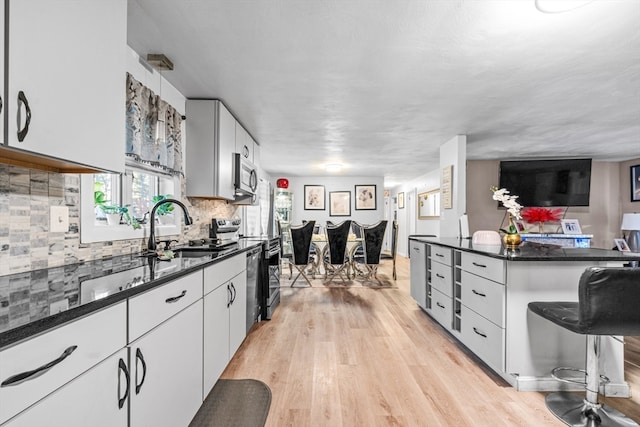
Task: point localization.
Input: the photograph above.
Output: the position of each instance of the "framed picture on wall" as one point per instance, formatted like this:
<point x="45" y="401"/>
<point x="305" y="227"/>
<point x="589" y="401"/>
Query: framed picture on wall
<point x="400" y="200"/>
<point x="635" y="183"/>
<point x="365" y="197"/>
<point x="314" y="197"/>
<point x="340" y="203"/>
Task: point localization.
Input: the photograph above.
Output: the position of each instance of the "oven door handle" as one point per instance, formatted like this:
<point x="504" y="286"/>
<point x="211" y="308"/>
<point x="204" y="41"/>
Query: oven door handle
<point x="272" y="252"/>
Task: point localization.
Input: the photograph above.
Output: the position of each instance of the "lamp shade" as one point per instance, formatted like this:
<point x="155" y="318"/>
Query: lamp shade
<point x="630" y="221"/>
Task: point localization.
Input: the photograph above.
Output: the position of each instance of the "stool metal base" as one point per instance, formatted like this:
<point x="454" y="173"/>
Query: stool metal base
<point x="571" y="410"/>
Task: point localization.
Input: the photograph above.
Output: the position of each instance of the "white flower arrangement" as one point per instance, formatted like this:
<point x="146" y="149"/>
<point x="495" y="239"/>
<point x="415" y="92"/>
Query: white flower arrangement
<point x="513" y="208"/>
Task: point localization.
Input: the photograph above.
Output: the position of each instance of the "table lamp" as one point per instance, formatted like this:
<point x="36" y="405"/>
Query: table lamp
<point x="631" y="223"/>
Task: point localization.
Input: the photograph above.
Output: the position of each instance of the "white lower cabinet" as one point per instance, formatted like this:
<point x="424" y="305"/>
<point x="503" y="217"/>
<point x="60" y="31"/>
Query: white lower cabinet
<point x="97" y="398"/>
<point x="418" y="272"/>
<point x="31" y="370"/>
<point x="224" y="316"/>
<point x="166" y="371"/>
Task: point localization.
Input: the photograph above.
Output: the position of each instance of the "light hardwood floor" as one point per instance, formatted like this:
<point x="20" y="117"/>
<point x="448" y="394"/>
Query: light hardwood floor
<point x="359" y="356"/>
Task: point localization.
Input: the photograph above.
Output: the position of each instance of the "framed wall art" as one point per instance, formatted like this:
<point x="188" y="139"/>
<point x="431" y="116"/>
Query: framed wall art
<point x="635" y="183"/>
<point x="365" y="197"/>
<point x="314" y="197"/>
<point x="340" y="203"/>
<point x="400" y="200"/>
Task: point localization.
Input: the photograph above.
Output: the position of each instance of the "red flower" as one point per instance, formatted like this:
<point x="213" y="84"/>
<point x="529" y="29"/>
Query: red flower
<point x="532" y="215"/>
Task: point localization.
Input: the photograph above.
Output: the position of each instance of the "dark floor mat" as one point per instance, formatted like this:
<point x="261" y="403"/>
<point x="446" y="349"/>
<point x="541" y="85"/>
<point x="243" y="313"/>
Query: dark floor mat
<point x="235" y="403"/>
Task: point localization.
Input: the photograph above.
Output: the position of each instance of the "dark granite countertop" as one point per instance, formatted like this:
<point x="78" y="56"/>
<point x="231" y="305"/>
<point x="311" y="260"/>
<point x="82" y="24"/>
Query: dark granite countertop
<point x="35" y="301"/>
<point x="530" y="251"/>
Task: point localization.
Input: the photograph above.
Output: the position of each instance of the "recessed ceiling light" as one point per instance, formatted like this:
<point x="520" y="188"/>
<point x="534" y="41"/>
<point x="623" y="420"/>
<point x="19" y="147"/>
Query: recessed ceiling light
<point x="559" y="6"/>
<point x="333" y="167"/>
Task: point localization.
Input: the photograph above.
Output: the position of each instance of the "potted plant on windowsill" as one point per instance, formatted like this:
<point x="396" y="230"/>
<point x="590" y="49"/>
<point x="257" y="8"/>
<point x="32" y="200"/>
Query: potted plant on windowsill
<point x="113" y="213"/>
<point x="164" y="213"/>
<point x="116" y="213"/>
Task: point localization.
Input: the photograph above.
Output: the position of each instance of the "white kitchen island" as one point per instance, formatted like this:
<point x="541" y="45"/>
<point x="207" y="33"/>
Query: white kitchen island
<point x="480" y="296"/>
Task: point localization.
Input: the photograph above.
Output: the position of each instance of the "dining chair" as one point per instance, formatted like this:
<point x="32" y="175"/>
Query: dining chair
<point x="337" y="260"/>
<point x="301" y="242"/>
<point x="372" y="238"/>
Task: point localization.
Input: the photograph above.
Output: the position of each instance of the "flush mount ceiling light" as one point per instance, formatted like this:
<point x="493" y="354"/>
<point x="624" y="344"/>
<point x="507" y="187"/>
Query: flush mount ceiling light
<point x="559" y="6"/>
<point x="333" y="167"/>
<point x="159" y="61"/>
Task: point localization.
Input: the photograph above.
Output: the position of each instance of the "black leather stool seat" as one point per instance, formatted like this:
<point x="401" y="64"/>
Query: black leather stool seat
<point x="609" y="303"/>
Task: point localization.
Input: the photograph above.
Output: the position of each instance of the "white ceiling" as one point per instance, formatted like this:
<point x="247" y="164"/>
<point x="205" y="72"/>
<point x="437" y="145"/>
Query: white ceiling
<point x="379" y="85"/>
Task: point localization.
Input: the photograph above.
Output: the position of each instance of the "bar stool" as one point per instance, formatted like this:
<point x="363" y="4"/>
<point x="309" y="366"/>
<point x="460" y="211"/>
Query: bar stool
<point x="608" y="300"/>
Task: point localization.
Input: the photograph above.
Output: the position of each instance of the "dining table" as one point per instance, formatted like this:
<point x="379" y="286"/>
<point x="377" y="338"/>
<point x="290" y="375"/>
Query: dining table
<point x="319" y="242"/>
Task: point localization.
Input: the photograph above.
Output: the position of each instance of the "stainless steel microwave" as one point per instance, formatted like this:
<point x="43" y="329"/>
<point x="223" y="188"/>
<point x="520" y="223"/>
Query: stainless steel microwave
<point x="245" y="176"/>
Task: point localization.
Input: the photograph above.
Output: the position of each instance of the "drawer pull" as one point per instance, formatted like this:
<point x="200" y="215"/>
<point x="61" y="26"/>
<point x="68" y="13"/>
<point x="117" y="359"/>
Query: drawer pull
<point x="416" y="250"/>
<point x="440" y="305"/>
<point x="479" y="333"/>
<point x="440" y="255"/>
<point x="140" y="357"/>
<point x="479" y="265"/>
<point x="175" y="299"/>
<point x="123" y="367"/>
<point x="439" y="275"/>
<point x="29" y="375"/>
<point x="478" y="293"/>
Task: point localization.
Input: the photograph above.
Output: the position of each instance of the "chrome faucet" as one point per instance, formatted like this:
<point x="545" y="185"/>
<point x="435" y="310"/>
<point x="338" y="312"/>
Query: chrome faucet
<point x="152" y="246"/>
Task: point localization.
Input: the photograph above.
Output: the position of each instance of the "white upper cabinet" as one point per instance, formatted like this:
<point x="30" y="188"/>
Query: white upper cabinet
<point x="66" y="81"/>
<point x="2" y="91"/>
<point x="211" y="142"/>
<point x="244" y="142"/>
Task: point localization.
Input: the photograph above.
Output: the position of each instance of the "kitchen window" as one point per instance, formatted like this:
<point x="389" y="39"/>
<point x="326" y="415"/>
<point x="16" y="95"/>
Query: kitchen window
<point x="134" y="191"/>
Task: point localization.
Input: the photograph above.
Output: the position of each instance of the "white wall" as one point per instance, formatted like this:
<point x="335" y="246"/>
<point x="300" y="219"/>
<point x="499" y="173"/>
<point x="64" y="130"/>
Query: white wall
<point x="454" y="152"/>
<point x="337" y="183"/>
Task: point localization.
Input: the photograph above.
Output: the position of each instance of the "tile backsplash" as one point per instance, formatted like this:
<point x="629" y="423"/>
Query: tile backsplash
<point x="26" y="196"/>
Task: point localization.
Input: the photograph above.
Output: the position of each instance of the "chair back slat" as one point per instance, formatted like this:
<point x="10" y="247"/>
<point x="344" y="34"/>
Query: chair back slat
<point x="337" y="237"/>
<point x="373" y="236"/>
<point x="301" y="242"/>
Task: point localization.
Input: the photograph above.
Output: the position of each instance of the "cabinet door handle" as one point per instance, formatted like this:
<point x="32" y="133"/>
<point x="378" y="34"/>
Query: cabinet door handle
<point x="23" y="99"/>
<point x="229" y="300"/>
<point x="245" y="151"/>
<point x="478" y="293"/>
<point x="175" y="299"/>
<point x="479" y="333"/>
<point x="29" y="375"/>
<point x="479" y="265"/>
<point x="140" y="357"/>
<point x="439" y="275"/>
<point x="439" y="305"/>
<point x="233" y="298"/>
<point x="1" y="104"/>
<point x="123" y="367"/>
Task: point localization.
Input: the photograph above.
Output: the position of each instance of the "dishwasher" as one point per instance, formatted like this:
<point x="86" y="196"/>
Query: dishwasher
<point x="253" y="288"/>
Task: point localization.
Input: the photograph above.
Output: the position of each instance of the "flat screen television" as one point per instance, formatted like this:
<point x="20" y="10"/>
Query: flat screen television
<point x="563" y="182"/>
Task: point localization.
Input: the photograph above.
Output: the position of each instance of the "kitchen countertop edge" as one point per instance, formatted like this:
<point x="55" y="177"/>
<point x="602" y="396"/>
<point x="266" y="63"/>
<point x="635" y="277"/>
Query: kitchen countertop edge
<point x="530" y="251"/>
<point x="21" y="333"/>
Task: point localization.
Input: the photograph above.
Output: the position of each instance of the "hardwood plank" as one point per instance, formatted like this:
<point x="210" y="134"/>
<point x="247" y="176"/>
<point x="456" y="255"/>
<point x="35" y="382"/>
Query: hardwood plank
<point x="356" y="355"/>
